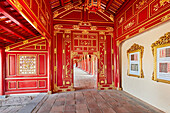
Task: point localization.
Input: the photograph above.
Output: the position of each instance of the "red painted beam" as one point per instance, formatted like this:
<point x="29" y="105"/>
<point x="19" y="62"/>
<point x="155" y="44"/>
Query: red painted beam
<point x="108" y="5"/>
<point x="14" y="19"/>
<point x="1" y="45"/>
<point x="62" y="2"/>
<point x="5" y="27"/>
<point x="4" y="38"/>
<point x="2" y="71"/>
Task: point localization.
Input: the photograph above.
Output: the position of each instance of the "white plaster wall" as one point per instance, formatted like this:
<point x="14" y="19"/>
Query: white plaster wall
<point x="152" y="92"/>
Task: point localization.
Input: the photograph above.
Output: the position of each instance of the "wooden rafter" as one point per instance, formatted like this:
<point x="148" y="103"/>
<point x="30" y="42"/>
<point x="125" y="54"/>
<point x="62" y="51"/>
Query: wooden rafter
<point x="108" y="5"/>
<point x="5" y="27"/>
<point x="62" y="2"/>
<point x="4" y="38"/>
<point x="14" y="19"/>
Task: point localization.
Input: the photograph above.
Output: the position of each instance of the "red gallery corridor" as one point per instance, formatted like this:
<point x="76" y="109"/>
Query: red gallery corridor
<point x="85" y="68"/>
<point x="84" y="80"/>
<point x="84" y="56"/>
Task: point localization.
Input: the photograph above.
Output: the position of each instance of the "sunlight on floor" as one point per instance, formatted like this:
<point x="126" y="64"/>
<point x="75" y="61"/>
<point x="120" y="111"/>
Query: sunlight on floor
<point x="83" y="80"/>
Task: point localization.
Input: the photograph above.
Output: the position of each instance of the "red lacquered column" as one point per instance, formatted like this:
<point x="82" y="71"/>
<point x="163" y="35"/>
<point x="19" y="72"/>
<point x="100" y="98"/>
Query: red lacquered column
<point x="87" y="64"/>
<point x="92" y="65"/>
<point x="2" y="71"/>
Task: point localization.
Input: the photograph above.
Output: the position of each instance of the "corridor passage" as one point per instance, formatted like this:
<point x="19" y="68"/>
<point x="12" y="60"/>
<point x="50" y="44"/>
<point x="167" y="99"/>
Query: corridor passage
<point x="83" y="80"/>
<point x="88" y="101"/>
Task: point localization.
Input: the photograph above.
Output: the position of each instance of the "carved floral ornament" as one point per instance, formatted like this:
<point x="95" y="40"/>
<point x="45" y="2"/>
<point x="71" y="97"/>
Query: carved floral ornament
<point x="141" y="3"/>
<point x="93" y="27"/>
<point x="18" y="5"/>
<point x="56" y="27"/>
<point x="76" y="27"/>
<point x="160" y="4"/>
<point x="162" y="40"/>
<point x="136" y="50"/>
<point x="157" y="48"/>
<point x="109" y="28"/>
<point x="135" y="47"/>
<point x="43" y="20"/>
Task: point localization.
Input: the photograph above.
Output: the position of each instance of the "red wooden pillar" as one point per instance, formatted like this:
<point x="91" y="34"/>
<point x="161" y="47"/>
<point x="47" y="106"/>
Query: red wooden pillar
<point x="49" y="65"/>
<point x="109" y="60"/>
<point x="84" y="63"/>
<point x="87" y="63"/>
<point x="92" y="65"/>
<point x="2" y="71"/>
<point x="115" y="63"/>
<point x="59" y="59"/>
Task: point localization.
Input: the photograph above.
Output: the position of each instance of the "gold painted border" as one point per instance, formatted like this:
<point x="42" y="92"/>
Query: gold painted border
<point x="163" y="41"/>
<point x="37" y="67"/>
<point x="136" y="48"/>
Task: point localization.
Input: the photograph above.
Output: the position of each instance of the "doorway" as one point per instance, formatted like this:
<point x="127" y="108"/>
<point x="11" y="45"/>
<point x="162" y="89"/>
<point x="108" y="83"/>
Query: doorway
<point x="85" y="72"/>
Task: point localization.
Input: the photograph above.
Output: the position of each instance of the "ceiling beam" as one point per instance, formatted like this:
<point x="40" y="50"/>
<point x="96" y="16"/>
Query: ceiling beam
<point x="14" y="19"/>
<point x="1" y="45"/>
<point x="108" y="5"/>
<point x="4" y="38"/>
<point x="62" y="2"/>
<point x="5" y="27"/>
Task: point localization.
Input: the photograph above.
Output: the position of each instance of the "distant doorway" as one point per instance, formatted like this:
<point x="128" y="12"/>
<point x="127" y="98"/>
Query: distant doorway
<point x="85" y="72"/>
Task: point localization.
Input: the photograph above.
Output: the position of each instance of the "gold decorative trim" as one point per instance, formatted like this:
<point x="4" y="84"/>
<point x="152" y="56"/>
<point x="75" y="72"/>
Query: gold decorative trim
<point x="109" y="28"/>
<point x="58" y="26"/>
<point x="162" y="42"/>
<point x="93" y="27"/>
<point x="141" y="29"/>
<point x="85" y="32"/>
<point x="165" y="18"/>
<point x="136" y="48"/>
<point x="101" y="32"/>
<point x="76" y="27"/>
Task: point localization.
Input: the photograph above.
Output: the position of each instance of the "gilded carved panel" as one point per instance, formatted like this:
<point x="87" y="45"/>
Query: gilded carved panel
<point x="161" y="53"/>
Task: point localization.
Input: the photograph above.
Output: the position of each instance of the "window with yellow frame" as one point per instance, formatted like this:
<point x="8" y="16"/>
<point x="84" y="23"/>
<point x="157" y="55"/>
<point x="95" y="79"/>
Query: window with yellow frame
<point x="161" y="53"/>
<point x="135" y="54"/>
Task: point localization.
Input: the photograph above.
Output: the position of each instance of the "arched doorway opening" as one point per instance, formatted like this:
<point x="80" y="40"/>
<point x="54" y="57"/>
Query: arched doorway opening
<point x="85" y="72"/>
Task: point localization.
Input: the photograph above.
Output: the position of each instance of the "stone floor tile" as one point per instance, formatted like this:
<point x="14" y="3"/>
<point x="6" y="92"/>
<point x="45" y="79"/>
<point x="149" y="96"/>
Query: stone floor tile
<point x="56" y="112"/>
<point x="70" y="108"/>
<point x="70" y="102"/>
<point x="82" y="101"/>
<point x="59" y="103"/>
<point x="81" y="106"/>
<point x="69" y="111"/>
<point x="108" y="110"/>
<point x="92" y="105"/>
<point x="83" y="80"/>
<point x="121" y="110"/>
<point x="95" y="111"/>
<point x="103" y="105"/>
<point x="57" y="109"/>
<point x="82" y="111"/>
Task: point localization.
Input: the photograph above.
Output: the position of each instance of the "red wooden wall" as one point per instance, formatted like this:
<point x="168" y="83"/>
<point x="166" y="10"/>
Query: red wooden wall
<point x="137" y="16"/>
<point x="133" y="18"/>
<point x="38" y="13"/>
<point x="68" y="43"/>
<point x="36" y="80"/>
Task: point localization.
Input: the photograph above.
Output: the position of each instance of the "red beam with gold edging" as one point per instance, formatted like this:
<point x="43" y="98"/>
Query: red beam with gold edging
<point x="5" y="27"/>
<point x="62" y="2"/>
<point x="6" y="39"/>
<point x="14" y="19"/>
<point x="108" y="5"/>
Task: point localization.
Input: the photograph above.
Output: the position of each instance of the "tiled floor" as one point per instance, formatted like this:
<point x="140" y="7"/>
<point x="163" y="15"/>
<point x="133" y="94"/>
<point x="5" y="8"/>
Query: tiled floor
<point x="87" y="100"/>
<point x="83" y="80"/>
<point x="12" y="104"/>
<point x="93" y="101"/>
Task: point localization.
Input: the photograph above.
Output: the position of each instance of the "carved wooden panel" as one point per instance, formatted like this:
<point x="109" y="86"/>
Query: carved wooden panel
<point x="140" y="15"/>
<point x="85" y="42"/>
